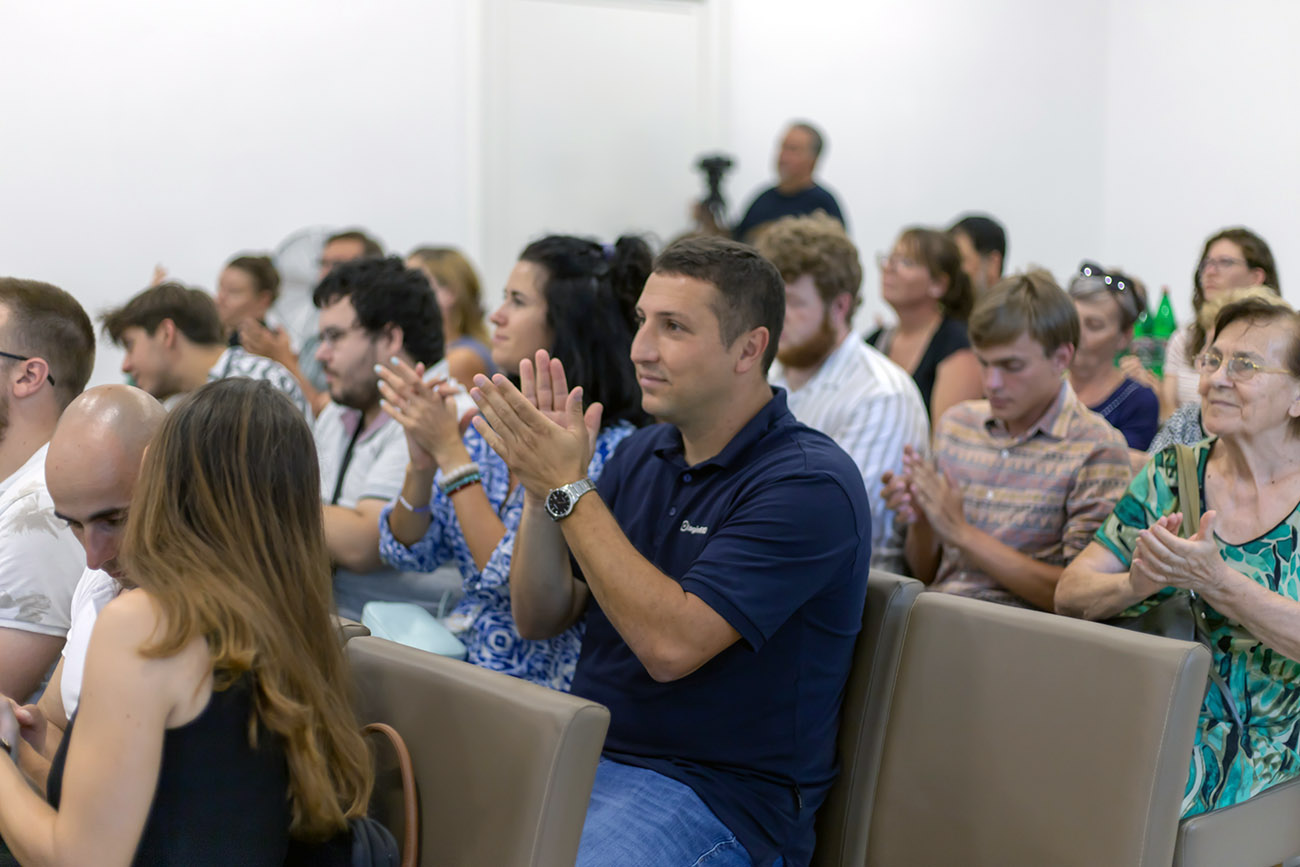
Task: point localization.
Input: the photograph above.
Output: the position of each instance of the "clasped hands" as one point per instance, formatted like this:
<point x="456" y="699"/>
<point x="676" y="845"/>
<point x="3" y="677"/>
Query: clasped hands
<point x="922" y="493"/>
<point x="539" y="429"/>
<point x="1161" y="558"/>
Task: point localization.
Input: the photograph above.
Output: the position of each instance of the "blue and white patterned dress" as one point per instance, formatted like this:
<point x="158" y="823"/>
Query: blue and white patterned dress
<point x="482" y="619"/>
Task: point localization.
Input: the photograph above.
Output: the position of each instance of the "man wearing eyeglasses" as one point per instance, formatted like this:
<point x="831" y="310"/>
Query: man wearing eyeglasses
<point x="47" y="351"/>
<point x="371" y="311"/>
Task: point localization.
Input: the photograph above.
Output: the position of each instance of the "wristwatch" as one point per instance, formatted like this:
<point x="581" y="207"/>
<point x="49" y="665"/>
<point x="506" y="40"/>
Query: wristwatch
<point x="560" y="501"/>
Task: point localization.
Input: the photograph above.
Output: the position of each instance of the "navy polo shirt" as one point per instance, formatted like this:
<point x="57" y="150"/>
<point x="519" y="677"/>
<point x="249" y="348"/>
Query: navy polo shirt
<point x="774" y="534"/>
<point x="772" y="204"/>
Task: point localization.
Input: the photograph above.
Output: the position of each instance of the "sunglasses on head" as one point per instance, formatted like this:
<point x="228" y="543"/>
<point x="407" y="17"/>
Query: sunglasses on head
<point x="1117" y="283"/>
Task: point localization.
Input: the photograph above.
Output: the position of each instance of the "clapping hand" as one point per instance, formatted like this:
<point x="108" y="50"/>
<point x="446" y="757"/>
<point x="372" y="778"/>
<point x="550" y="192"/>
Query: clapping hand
<point x="938" y="496"/>
<point x="897" y="490"/>
<point x="1162" y="558"/>
<point x="543" y="435"/>
<point x="426" y="411"/>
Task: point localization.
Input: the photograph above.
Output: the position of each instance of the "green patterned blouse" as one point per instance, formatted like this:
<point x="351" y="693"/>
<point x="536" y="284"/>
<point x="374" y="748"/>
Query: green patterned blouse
<point x="1228" y="766"/>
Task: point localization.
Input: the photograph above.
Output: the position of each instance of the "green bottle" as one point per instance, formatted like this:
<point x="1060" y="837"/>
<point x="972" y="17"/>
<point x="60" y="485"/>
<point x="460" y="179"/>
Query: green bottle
<point x="1163" y="327"/>
<point x="1143" y="343"/>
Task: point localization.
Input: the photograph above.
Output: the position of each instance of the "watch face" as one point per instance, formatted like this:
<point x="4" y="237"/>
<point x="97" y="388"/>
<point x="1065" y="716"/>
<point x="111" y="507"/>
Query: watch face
<point x="557" y="502"/>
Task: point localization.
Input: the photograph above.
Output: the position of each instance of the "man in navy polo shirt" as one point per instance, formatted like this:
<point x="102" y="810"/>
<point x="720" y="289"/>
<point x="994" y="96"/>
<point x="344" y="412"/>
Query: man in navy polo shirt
<point x="721" y="570"/>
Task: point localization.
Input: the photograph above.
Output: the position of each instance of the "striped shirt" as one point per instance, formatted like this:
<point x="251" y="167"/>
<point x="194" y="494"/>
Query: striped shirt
<point x="1044" y="492"/>
<point x="239" y="362"/>
<point x="871" y="407"/>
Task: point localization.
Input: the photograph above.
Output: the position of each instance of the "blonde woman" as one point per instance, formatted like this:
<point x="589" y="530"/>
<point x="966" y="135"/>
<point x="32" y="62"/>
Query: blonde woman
<point x="214" y="725"/>
<point x="459" y="298"/>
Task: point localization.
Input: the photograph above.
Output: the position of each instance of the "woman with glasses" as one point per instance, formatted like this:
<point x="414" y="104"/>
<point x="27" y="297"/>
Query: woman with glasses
<point x="1241" y="564"/>
<point x="1231" y="259"/>
<point x="1184" y="426"/>
<point x="922" y="279"/>
<point x="1108" y="303"/>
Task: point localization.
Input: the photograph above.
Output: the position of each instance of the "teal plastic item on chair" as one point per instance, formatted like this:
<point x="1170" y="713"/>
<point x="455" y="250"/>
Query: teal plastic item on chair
<point x="409" y="624"/>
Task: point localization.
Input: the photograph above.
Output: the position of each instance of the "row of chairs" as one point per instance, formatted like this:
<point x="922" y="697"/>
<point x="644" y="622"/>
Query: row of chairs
<point x="971" y="733"/>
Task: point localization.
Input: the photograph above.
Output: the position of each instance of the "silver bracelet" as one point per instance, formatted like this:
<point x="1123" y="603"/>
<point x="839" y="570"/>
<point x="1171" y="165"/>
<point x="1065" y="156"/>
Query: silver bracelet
<point x="415" y="510"/>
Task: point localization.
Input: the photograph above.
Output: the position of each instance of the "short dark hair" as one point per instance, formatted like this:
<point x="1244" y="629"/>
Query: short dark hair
<point x="47" y="322"/>
<point x="751" y="293"/>
<point x="266" y="278"/>
<point x="385" y="292"/>
<point x="373" y="249"/>
<point x="986" y="234"/>
<point x="591" y="292"/>
<point x="818" y="140"/>
<point x="938" y="252"/>
<point x="1029" y="303"/>
<point x="1261" y="311"/>
<point x="1254" y="250"/>
<point x="193" y="312"/>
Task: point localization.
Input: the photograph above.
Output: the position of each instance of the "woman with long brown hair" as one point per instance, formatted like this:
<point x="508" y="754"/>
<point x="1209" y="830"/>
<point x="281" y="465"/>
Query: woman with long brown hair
<point x="214" y="724"/>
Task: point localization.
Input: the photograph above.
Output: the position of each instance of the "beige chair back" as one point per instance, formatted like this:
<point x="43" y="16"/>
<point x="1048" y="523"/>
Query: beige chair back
<point x="1019" y="739"/>
<point x="844" y="819"/>
<point x="1254" y="833"/>
<point x="504" y="768"/>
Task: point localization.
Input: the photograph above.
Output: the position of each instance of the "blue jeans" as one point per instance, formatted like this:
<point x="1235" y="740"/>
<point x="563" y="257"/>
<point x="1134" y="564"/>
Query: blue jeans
<point x="639" y="818"/>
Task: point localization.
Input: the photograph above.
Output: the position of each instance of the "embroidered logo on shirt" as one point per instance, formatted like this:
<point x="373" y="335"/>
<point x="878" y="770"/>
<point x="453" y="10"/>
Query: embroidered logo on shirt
<point x="688" y="527"/>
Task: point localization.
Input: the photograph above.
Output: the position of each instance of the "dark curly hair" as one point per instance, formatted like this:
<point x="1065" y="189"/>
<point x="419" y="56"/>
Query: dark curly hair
<point x="385" y="292"/>
<point x="591" y="293"/>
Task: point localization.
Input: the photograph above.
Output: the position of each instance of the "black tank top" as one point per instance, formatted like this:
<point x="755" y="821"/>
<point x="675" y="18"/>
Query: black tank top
<point x="218" y="801"/>
<point x="948" y="338"/>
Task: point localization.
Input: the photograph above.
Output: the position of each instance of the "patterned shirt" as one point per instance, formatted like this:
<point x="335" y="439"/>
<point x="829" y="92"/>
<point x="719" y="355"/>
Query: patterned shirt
<point x="1183" y="428"/>
<point x="483" y="620"/>
<point x="40" y="560"/>
<point x="1043" y="493"/>
<point x="239" y="362"/>
<point x="1229" y="764"/>
<point x="871" y="407"/>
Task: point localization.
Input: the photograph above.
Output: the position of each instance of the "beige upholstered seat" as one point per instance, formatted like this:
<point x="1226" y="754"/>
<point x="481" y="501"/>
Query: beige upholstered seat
<point x="1022" y="738"/>
<point x="504" y="768"/>
<point x="842" y="822"/>
<point x="1264" y="830"/>
<point x="350" y="629"/>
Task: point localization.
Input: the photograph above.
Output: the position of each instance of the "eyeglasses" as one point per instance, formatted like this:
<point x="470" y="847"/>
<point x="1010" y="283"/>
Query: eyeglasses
<point x="1221" y="263"/>
<point x="1120" y="285"/>
<point x="895" y="262"/>
<point x="330" y="336"/>
<point x="1239" y="368"/>
<point x="48" y="376"/>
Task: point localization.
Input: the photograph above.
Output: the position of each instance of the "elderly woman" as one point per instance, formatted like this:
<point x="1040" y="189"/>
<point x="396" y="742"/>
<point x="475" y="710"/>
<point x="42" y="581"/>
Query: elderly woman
<point x="1240" y="565"/>
<point x="1184" y="426"/>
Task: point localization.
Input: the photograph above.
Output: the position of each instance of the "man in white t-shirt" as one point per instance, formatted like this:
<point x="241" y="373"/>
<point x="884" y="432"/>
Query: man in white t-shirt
<point x="371" y="310"/>
<point x="175" y="343"/>
<point x="93" y="463"/>
<point x="837" y="384"/>
<point x="47" y="350"/>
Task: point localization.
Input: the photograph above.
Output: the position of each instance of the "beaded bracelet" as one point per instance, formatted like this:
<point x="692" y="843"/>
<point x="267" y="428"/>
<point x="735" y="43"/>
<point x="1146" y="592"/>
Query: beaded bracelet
<point x="415" y="510"/>
<point x="449" y="488"/>
<point x="464" y="471"/>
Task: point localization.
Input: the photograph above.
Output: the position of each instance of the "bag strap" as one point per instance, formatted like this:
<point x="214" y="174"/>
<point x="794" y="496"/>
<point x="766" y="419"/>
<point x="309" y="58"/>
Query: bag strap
<point x="410" y="805"/>
<point x="1189" y="502"/>
<point x="1189" y="490"/>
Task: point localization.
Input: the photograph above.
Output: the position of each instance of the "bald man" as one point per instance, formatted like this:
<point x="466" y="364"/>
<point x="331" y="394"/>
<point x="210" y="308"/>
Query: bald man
<point x="90" y="470"/>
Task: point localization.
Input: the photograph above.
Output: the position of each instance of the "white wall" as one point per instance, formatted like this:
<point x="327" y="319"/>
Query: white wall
<point x="147" y="131"/>
<point x="930" y="109"/>
<point x="1203" y="120"/>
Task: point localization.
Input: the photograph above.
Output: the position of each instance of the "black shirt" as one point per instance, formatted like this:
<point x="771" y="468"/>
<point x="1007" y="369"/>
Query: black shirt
<point x="948" y="338"/>
<point x="772" y="204"/>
